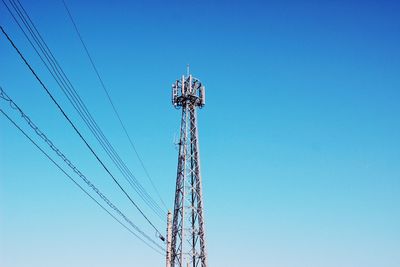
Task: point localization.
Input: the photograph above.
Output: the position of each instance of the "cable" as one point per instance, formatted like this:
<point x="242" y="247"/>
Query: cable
<point x="125" y="171"/>
<point x="79" y="106"/>
<point x="62" y="86"/>
<point x="40" y="133"/>
<point x="78" y="132"/>
<point x="112" y="104"/>
<point x="68" y="89"/>
<point x="75" y="182"/>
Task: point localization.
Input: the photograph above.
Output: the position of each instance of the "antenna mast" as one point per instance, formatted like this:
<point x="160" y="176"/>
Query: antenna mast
<point x="188" y="246"/>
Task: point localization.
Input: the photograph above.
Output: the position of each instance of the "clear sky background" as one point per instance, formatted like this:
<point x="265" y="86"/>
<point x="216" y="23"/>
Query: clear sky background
<point x="299" y="138"/>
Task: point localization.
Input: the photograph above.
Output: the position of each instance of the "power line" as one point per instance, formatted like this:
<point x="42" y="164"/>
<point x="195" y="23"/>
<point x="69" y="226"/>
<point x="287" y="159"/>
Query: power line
<point x="62" y="83"/>
<point x="78" y="132"/>
<point x="112" y="104"/>
<point x="66" y="86"/>
<point x="86" y="180"/>
<point x="90" y="120"/>
<point x="68" y="89"/>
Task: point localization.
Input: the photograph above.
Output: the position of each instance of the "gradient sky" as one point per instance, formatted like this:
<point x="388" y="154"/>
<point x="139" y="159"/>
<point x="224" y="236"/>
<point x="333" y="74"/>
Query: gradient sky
<point x="300" y="136"/>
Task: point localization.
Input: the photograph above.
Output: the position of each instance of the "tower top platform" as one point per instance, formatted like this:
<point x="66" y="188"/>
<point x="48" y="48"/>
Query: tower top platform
<point x="188" y="90"/>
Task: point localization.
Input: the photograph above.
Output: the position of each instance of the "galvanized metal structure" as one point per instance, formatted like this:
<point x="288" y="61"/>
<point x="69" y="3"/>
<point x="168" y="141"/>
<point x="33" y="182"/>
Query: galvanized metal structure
<point x="169" y="239"/>
<point x="188" y="246"/>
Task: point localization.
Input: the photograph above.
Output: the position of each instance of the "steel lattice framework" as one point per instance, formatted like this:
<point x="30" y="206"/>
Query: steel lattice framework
<point x="188" y="246"/>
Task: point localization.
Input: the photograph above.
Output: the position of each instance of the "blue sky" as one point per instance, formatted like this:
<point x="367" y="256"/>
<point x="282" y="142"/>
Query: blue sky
<point x="299" y="137"/>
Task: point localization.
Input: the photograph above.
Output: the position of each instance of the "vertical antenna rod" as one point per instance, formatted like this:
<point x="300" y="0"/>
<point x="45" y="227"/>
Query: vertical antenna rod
<point x="169" y="237"/>
<point x="188" y="246"/>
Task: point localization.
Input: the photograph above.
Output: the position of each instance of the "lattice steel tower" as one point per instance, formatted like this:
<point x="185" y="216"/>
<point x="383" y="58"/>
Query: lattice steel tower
<point x="188" y="246"/>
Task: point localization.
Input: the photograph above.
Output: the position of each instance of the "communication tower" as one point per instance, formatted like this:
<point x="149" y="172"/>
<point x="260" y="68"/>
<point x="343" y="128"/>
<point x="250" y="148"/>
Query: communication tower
<point x="188" y="246"/>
